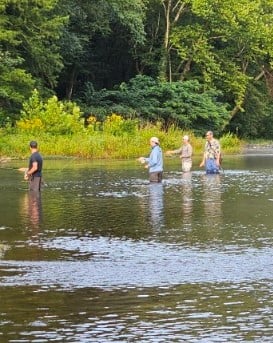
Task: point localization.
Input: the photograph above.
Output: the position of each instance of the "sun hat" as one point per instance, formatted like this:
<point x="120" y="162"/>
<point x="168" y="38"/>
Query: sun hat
<point x="155" y="140"/>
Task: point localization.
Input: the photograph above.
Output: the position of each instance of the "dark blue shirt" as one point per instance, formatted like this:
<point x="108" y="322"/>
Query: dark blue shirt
<point x="36" y="157"/>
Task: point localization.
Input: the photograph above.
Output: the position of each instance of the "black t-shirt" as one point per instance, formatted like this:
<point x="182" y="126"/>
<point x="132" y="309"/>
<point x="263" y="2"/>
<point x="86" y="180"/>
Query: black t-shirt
<point x="36" y="157"/>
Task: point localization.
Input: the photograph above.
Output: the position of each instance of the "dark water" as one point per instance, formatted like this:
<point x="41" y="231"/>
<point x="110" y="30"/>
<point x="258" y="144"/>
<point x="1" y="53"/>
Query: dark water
<point x="103" y="256"/>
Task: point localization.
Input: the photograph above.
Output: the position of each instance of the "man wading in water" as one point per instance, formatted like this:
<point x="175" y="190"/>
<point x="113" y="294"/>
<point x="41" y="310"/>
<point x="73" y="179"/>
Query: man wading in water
<point x="212" y="154"/>
<point x="34" y="172"/>
<point x="185" y="154"/>
<point x="154" y="162"/>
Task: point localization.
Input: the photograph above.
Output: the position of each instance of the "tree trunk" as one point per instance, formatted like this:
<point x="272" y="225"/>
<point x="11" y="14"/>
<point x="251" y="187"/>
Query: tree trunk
<point x="172" y="9"/>
<point x="70" y="86"/>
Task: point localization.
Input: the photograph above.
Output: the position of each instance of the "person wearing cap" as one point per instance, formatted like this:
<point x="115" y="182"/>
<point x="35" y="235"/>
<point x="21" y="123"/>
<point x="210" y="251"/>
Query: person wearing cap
<point x="154" y="162"/>
<point x="212" y="154"/>
<point x="185" y="152"/>
<point x="34" y="171"/>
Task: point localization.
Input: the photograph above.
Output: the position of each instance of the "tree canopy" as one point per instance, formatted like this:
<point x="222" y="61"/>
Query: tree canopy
<point x="152" y="59"/>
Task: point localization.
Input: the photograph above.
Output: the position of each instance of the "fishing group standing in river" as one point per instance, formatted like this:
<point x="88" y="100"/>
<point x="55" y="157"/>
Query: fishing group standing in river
<point x="211" y="157"/>
<point x="154" y="162"/>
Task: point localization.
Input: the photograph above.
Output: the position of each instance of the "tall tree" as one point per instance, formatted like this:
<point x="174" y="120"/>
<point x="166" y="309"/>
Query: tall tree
<point x="29" y="33"/>
<point x="15" y="87"/>
<point x="36" y="27"/>
<point x="98" y="36"/>
<point x="228" y="42"/>
<point x="173" y="10"/>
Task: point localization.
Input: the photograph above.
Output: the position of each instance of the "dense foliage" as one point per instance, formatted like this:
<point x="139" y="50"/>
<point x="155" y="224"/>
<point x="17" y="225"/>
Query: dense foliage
<point x="185" y="104"/>
<point x="197" y="63"/>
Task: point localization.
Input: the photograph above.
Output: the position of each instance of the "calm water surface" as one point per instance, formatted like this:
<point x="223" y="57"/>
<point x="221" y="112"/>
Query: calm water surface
<point x="103" y="256"/>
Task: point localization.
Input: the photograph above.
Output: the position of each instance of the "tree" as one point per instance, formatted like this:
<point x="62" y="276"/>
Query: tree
<point x="173" y="10"/>
<point x="29" y="32"/>
<point x="15" y="87"/>
<point x="185" y="104"/>
<point x="227" y="42"/>
<point x="98" y="42"/>
<point x="32" y="32"/>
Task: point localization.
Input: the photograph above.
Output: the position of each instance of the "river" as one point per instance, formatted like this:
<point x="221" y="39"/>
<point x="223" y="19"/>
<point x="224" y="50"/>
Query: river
<point x="103" y="256"/>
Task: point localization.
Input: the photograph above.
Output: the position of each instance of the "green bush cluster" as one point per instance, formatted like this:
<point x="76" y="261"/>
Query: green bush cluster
<point x="60" y="131"/>
<point x="53" y="116"/>
<point x="230" y="143"/>
<point x="185" y="104"/>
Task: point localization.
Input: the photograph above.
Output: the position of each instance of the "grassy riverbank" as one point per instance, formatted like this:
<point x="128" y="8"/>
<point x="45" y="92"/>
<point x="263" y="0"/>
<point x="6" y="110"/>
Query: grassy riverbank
<point x="102" y="145"/>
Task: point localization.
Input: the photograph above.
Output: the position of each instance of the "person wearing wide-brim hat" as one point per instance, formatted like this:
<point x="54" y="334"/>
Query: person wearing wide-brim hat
<point x="154" y="162"/>
<point x="185" y="152"/>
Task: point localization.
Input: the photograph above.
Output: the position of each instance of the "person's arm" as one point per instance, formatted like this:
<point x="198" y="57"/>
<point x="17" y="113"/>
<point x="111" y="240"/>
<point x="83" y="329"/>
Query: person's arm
<point x="33" y="169"/>
<point x="203" y="161"/>
<point x="144" y="160"/>
<point x="171" y="152"/>
<point x="217" y="160"/>
<point x="204" y="157"/>
<point x="153" y="158"/>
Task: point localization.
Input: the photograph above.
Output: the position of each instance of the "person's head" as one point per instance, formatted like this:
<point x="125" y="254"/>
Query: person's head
<point x="154" y="141"/>
<point x="33" y="145"/>
<point x="185" y="139"/>
<point x="209" y="135"/>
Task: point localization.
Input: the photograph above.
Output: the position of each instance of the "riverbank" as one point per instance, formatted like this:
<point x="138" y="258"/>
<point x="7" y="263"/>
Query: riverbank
<point x="258" y="148"/>
<point x="105" y="145"/>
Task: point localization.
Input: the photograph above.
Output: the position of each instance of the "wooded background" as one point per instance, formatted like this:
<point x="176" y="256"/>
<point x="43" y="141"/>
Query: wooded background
<point x="199" y="64"/>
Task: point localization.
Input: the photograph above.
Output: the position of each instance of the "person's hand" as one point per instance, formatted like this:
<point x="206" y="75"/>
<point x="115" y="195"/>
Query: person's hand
<point x="26" y="177"/>
<point x="168" y="153"/>
<point x="142" y="160"/>
<point x="202" y="164"/>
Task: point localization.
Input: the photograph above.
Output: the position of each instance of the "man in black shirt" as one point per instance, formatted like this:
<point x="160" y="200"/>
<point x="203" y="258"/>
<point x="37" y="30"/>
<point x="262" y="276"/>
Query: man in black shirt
<point x="34" y="172"/>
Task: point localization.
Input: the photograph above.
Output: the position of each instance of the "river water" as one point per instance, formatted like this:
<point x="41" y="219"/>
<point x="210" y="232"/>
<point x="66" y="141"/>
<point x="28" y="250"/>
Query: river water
<point x="104" y="256"/>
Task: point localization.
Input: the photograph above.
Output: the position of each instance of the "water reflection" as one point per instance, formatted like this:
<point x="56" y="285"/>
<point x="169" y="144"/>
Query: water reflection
<point x="187" y="198"/>
<point x="3" y="249"/>
<point x="31" y="208"/>
<point x="212" y="199"/>
<point x="156" y="205"/>
<point x="100" y="274"/>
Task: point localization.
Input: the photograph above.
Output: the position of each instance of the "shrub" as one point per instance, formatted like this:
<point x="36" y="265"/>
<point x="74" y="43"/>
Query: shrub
<point x="53" y="116"/>
<point x="230" y="143"/>
<point x="118" y="126"/>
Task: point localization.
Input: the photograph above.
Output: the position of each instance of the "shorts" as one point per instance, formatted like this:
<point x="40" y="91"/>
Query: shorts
<point x="186" y="166"/>
<point x="155" y="176"/>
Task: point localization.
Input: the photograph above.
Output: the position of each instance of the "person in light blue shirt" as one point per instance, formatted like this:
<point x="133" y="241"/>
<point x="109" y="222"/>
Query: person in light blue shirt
<point x="154" y="162"/>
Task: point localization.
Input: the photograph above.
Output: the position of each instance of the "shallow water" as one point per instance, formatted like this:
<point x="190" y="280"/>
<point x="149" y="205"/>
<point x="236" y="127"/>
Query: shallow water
<point x="103" y="256"/>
